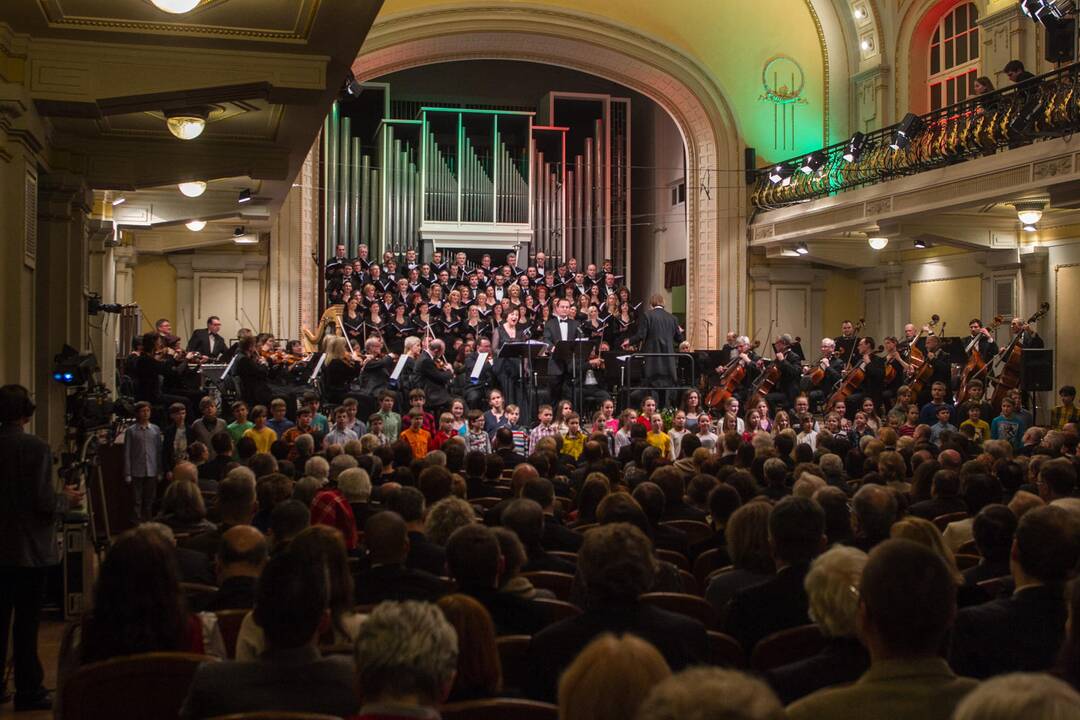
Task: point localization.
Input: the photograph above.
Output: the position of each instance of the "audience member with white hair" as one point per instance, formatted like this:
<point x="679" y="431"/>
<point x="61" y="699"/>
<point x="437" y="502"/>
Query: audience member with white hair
<point x="1020" y="696"/>
<point x="705" y="693"/>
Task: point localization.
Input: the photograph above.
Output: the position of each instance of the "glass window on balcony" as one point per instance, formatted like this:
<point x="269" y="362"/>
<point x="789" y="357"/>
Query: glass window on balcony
<point x="954" y="56"/>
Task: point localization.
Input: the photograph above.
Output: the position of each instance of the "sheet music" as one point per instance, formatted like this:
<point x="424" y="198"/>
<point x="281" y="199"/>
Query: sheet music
<point x="478" y="368"/>
<point x="399" y="367"/>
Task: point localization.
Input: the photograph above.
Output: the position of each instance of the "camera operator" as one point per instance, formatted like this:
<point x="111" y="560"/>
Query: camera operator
<point x="29" y="509"/>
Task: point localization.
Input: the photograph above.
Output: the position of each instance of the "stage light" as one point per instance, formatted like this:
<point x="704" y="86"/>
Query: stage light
<point x="859" y="13"/>
<point x="195" y="225"/>
<point x="192" y="189"/>
<point x="242" y="237"/>
<point x="856" y="146"/>
<point x="802" y="249"/>
<point x="119" y="201"/>
<point x="865" y="45"/>
<point x="878" y="243"/>
<point x="353" y="88"/>
<point x="779" y="173"/>
<point x="176" y="7"/>
<point x="186" y="124"/>
<point x="812" y="162"/>
<point x="921" y="244"/>
<point x="906" y="131"/>
<point x="245" y="196"/>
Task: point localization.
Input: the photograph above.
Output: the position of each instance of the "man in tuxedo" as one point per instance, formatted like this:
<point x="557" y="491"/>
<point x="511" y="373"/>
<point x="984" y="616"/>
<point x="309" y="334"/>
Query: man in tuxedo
<point x="1022" y="632"/>
<point x="206" y="341"/>
<point x="476" y="393"/>
<point x="985" y="344"/>
<point x="434" y="376"/>
<point x="558" y="329"/>
<point x="658" y="332"/>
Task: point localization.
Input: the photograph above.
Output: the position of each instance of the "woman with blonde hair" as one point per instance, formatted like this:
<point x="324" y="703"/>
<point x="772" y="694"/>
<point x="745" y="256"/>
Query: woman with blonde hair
<point x="925" y="533"/>
<point x="610" y="679"/>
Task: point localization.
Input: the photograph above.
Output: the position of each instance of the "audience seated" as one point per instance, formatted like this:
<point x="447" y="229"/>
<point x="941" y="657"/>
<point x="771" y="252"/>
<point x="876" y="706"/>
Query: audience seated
<point x="796" y="536"/>
<point x="514" y="559"/>
<point x="236" y="506"/>
<point x="385" y="575"/>
<point x="446" y="516"/>
<point x="907" y="602"/>
<point x="1023" y="632"/>
<point x="944" y="497"/>
<point x="993" y="530"/>
<point x="652" y="501"/>
<point x="747" y="536"/>
<point x="291" y="603"/>
<point x="1020" y="696"/>
<point x="615" y="566"/>
<point x="831" y="589"/>
<point x="874" y="511"/>
<point x="672" y="482"/>
<point x="424" y="554"/>
<point x="556" y="536"/>
<point x="288" y="520"/>
<point x="241" y="556"/>
<point x="711" y="694"/>
<point x="406" y="659"/>
<point x="610" y="678"/>
<point x="526" y="519"/>
<point x="479" y="672"/>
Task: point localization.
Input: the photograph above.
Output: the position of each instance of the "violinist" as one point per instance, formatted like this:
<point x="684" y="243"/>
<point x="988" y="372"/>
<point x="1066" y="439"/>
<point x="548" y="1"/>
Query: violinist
<point x="476" y="392"/>
<point x="434" y="375"/>
<point x="150" y="367"/>
<point x="339" y="371"/>
<point x="831" y="369"/>
<point x="374" y="374"/>
<point x="253" y="371"/>
<point x="897" y="370"/>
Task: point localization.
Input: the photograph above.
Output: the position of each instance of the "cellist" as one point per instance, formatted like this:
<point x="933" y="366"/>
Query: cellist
<point x="986" y="345"/>
<point x="789" y="363"/>
<point x="874" y="367"/>
<point x="832" y="366"/>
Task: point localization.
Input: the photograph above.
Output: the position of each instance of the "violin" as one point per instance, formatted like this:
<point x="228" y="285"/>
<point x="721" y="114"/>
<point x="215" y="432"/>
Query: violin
<point x="976" y="365"/>
<point x="1007" y="366"/>
<point x="730" y="379"/>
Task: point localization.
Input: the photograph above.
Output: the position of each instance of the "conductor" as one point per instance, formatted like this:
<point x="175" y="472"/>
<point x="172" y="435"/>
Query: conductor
<point x="658" y="332"/>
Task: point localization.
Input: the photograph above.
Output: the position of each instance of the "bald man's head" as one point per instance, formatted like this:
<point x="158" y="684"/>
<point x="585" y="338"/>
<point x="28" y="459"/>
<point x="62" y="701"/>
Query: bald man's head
<point x="185" y="471"/>
<point x="386" y="538"/>
<point x="950" y="459"/>
<point x="243" y="552"/>
<point x="523" y="473"/>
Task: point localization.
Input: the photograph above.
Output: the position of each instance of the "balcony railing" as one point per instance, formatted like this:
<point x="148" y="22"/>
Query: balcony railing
<point x="1046" y="106"/>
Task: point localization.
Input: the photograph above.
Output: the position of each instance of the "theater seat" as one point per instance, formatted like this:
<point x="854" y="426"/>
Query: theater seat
<point x="684" y="604"/>
<point x="274" y="715"/>
<point x="707" y="562"/>
<point x="942" y="521"/>
<point x="513" y="657"/>
<point x="675" y="558"/>
<point x="499" y="709"/>
<point x="148" y="685"/>
<point x="557" y="582"/>
<point x="725" y="651"/>
<point x="557" y="610"/>
<point x="787" y="646"/>
<point x="696" y="531"/>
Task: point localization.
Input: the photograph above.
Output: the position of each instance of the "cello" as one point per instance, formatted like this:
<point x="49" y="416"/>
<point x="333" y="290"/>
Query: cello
<point x="976" y="365"/>
<point x="730" y="379"/>
<point x="1006" y="368"/>
<point x="925" y="371"/>
<point x="915" y="355"/>
<point x="767" y="380"/>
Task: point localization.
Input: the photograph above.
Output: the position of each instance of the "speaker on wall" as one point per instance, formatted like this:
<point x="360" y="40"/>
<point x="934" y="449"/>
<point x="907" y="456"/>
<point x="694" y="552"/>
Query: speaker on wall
<point x="1061" y="41"/>
<point x="750" y="163"/>
<point x="1036" y="370"/>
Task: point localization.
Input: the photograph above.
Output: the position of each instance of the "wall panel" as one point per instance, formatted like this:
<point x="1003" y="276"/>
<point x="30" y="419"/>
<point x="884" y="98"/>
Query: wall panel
<point x="956" y="301"/>
<point x="1067" y="355"/>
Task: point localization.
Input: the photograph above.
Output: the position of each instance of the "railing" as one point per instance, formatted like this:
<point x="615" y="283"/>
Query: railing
<point x="1044" y="107"/>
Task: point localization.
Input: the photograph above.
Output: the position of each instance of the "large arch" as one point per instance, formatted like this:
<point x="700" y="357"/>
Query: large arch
<point x="717" y="252"/>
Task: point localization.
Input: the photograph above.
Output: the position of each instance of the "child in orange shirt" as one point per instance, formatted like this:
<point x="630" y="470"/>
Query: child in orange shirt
<point x="417" y="437"/>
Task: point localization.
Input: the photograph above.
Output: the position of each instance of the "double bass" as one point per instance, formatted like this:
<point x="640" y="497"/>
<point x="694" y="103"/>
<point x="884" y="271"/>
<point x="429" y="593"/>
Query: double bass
<point x="915" y="355"/>
<point x="730" y="379"/>
<point x="1006" y="370"/>
<point x="976" y="365"/>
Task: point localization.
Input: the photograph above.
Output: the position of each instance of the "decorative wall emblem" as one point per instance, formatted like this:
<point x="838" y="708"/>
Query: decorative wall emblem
<point x="783" y="81"/>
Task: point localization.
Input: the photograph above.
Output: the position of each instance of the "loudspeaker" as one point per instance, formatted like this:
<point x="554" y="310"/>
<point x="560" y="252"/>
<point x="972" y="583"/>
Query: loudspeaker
<point x="1060" y="41"/>
<point x="750" y="163"/>
<point x="1036" y="370"/>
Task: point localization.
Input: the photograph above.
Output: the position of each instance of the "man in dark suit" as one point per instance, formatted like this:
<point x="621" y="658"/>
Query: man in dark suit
<point x="408" y="503"/>
<point x="386" y="576"/>
<point x="797" y="536"/>
<point x="616" y="566"/>
<point x="558" y="329"/>
<point x="1022" y="632"/>
<point x="944" y="497"/>
<point x="241" y="557"/>
<point x="526" y="519"/>
<point x="658" y="332"/>
<point x="291" y="676"/>
<point x="555" y="536"/>
<point x="206" y="341"/>
<point x="434" y="376"/>
<point x="984" y="341"/>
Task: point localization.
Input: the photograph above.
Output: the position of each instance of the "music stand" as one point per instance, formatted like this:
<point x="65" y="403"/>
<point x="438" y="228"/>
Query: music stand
<point x="575" y="354"/>
<point x="526" y="351"/>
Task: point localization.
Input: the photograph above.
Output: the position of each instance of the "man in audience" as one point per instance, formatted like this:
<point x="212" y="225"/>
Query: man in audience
<point x="796" y="536"/>
<point x="615" y="567"/>
<point x="287" y="520"/>
<point x="651" y="499"/>
<point x="526" y="519"/>
<point x="241" y="557"/>
<point x="672" y="483"/>
<point x="873" y="514"/>
<point x="408" y="503"/>
<point x="1022" y="632"/>
<point x="291" y="676"/>
<point x="406" y="659"/>
<point x="993" y="529"/>
<point x="237" y="506"/>
<point x="386" y="539"/>
<point x="907" y="602"/>
<point x="944" y="497"/>
<point x="475" y="562"/>
<point x="504" y="448"/>
<point x="556" y="535"/>
<point x="710" y="694"/>
<point x="1057" y="480"/>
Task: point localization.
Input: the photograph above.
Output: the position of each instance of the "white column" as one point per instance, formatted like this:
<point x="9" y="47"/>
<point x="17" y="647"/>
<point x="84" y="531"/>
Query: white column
<point x="185" y="295"/>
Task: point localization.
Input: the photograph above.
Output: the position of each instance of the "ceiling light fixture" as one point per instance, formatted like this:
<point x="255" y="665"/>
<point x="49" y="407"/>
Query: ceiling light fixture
<point x="186" y="124"/>
<point x="195" y="225"/>
<point x="877" y="242"/>
<point x="1030" y="212"/>
<point x="241" y="237"/>
<point x="865" y="45"/>
<point x="859" y="13"/>
<point x="802" y="249"/>
<point x="245" y="195"/>
<point x="1031" y="228"/>
<point x="193" y="188"/>
<point x="119" y="201"/>
<point x="176" y="7"/>
<point x="353" y="88"/>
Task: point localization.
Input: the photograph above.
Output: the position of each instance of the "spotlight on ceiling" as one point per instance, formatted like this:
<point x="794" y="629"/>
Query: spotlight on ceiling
<point x="856" y="146"/>
<point x="245" y="195"/>
<point x="906" y="131"/>
<point x="1030" y="212"/>
<point x="921" y="244"/>
<point x="176" y="7"/>
<point x="779" y="173"/>
<point x="812" y="162"/>
<point x="193" y="189"/>
<point x="859" y="13"/>
<point x="119" y="201"/>
<point x="186" y="124"/>
<point x="866" y="45"/>
<point x="802" y="249"/>
<point x="878" y="242"/>
<point x="353" y="88"/>
<point x="195" y="225"/>
<point x="241" y="237"/>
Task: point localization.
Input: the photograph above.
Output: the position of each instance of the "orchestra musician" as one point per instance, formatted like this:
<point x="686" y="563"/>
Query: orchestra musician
<point x="374" y="375"/>
<point x="476" y="391"/>
<point x="873" y="366"/>
<point x="986" y="345"/>
<point x="253" y="372"/>
<point x="207" y="341"/>
<point x="832" y="369"/>
<point x="941" y="369"/>
<point x="846" y="341"/>
<point x="150" y="368"/>
<point x="789" y="363"/>
<point x="434" y="376"/>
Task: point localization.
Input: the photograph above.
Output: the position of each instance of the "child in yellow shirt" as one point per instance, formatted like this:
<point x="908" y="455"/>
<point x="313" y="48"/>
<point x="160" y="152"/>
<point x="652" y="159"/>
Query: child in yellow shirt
<point x="263" y="436"/>
<point x="574" y="440"/>
<point x="658" y="438"/>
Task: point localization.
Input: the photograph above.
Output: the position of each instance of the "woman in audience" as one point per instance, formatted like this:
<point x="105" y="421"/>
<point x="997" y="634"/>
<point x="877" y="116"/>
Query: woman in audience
<point x="747" y="536"/>
<point x="514" y="558"/>
<point x="318" y="544"/>
<point x="831" y="587"/>
<point x="926" y="533"/>
<point x="610" y="679"/>
<point x="479" y="672"/>
<point x="446" y="516"/>
<point x="595" y="489"/>
<point x="183" y="509"/>
<point x="1020" y="696"/>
